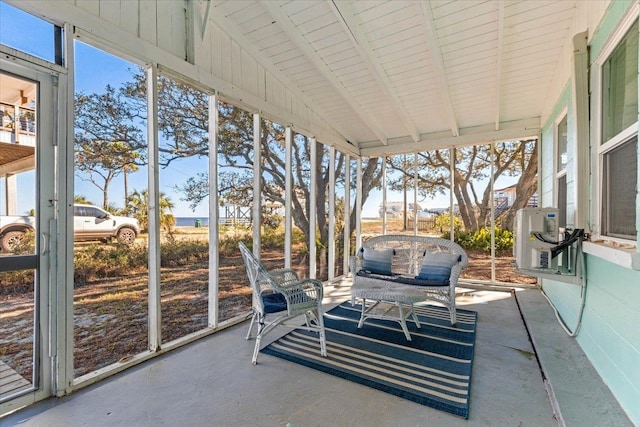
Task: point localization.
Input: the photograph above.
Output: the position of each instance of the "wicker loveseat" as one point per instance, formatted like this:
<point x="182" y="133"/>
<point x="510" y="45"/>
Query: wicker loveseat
<point x="392" y="296"/>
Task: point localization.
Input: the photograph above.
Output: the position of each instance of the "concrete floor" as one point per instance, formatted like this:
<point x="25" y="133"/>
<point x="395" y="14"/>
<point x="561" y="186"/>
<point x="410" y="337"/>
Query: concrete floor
<point x="212" y="382"/>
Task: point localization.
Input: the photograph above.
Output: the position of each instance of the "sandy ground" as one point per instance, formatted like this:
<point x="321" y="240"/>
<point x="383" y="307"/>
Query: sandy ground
<point x="110" y="315"/>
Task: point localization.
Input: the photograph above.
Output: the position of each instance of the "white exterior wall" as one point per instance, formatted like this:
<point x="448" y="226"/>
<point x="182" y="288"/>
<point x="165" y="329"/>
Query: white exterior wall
<point x="588" y="15"/>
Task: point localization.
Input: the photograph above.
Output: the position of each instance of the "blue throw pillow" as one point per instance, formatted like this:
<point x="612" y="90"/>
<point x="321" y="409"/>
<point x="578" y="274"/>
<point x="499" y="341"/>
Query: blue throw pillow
<point x="437" y="265"/>
<point x="377" y="261"/>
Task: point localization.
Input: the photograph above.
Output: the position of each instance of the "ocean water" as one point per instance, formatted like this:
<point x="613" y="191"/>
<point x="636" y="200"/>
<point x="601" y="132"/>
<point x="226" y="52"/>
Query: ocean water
<point x="191" y="221"/>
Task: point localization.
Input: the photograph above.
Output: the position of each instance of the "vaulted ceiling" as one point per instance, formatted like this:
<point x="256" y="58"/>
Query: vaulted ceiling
<point x="394" y="75"/>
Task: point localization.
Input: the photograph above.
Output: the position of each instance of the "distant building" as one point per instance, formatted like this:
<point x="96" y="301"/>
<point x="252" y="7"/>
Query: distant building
<point x="396" y="209"/>
<point x="505" y="197"/>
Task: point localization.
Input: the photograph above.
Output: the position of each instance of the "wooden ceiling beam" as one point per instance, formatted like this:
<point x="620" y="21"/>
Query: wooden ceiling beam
<point x="512" y="130"/>
<point x="232" y="31"/>
<point x="301" y="43"/>
<point x="351" y="25"/>
<point x="438" y="66"/>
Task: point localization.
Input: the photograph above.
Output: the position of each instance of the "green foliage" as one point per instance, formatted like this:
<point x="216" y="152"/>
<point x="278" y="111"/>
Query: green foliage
<point x="298" y="236"/>
<point x="138" y="206"/>
<point x="472" y="169"/>
<point x="183" y="252"/>
<point x="113" y="209"/>
<point x="100" y="261"/>
<point x="443" y="222"/>
<point x="481" y="239"/>
<point x="230" y="236"/>
<point x="273" y="238"/>
<point x="228" y="246"/>
<point x="81" y="199"/>
<point x="271" y="221"/>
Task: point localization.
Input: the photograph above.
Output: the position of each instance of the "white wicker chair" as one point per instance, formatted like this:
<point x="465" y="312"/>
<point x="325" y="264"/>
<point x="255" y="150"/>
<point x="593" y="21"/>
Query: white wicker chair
<point x="282" y="294"/>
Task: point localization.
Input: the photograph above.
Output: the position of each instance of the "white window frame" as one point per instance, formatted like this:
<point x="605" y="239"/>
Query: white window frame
<point x="601" y="149"/>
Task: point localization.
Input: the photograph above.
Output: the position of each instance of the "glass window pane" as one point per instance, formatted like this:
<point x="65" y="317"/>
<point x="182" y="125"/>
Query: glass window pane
<point x="371" y="220"/>
<point x="301" y="207"/>
<point x="562" y="144"/>
<point x="17" y="320"/>
<point x="434" y="193"/>
<point x="400" y="195"/>
<point x="273" y="148"/>
<point x="322" y="217"/>
<point x="19" y="282"/>
<point x="183" y="122"/>
<point x="110" y="255"/>
<point x="619" y="190"/>
<point x="38" y="39"/>
<point x="340" y="189"/>
<point x="562" y="201"/>
<point x="620" y="86"/>
<point x="235" y="200"/>
<point x="353" y="170"/>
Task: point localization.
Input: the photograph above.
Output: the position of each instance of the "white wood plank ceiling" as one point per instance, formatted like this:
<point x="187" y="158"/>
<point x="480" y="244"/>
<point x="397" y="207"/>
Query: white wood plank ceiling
<point x="393" y="76"/>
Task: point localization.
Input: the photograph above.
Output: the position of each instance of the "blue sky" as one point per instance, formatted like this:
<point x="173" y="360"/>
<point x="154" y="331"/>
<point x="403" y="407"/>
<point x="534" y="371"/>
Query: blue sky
<point x="38" y="41"/>
<point x="95" y="69"/>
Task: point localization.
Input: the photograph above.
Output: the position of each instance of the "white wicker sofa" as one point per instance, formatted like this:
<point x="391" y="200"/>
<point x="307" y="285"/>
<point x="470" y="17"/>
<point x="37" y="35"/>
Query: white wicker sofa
<point x="392" y="296"/>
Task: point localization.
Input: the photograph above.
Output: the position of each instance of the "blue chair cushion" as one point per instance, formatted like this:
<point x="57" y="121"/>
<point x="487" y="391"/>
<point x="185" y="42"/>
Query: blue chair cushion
<point x="437" y="266"/>
<point x="404" y="279"/>
<point x="274" y="303"/>
<point x="377" y="261"/>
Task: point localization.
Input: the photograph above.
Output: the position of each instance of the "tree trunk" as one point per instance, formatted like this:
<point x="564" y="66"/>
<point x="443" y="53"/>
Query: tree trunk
<point x="368" y="183"/>
<point x="526" y="187"/>
<point x="126" y="185"/>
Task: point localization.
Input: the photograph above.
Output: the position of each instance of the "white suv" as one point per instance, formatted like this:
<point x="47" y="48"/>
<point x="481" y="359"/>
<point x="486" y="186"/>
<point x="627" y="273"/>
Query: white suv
<point x="89" y="223"/>
<point x="93" y="223"/>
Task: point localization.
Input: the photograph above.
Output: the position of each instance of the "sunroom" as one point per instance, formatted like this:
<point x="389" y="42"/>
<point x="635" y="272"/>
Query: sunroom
<point x="318" y="125"/>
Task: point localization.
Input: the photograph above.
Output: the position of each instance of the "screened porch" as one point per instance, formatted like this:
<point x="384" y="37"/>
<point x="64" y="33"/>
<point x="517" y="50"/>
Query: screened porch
<point x="303" y="129"/>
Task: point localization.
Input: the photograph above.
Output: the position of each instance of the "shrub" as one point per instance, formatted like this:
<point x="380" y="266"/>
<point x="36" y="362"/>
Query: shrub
<point x="443" y="222"/>
<point x="481" y="239"/>
<point x="272" y="238"/>
<point x="183" y="252"/>
<point x="99" y="261"/>
<point x="271" y="221"/>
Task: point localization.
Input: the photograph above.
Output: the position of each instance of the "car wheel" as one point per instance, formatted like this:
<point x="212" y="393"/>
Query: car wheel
<point x="10" y="240"/>
<point x="126" y="235"/>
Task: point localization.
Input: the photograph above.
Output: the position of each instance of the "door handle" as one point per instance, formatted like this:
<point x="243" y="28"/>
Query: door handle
<point x="45" y="243"/>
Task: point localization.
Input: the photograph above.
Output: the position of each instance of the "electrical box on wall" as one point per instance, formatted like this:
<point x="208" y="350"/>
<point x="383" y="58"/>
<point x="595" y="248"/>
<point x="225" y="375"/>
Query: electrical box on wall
<point x="536" y="233"/>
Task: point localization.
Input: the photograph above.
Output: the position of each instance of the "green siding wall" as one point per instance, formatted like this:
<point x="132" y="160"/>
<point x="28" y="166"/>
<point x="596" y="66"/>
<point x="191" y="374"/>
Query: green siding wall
<point x="616" y="11"/>
<point x="610" y="329"/>
<point x="610" y="333"/>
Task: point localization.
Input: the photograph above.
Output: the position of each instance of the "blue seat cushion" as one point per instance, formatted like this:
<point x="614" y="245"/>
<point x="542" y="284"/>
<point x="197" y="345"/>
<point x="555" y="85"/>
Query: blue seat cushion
<point x="274" y="303"/>
<point x="377" y="261"/>
<point x="403" y="279"/>
<point x="437" y="266"/>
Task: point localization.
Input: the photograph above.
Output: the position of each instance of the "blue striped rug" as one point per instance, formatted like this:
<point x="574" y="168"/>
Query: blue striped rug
<point x="433" y="369"/>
